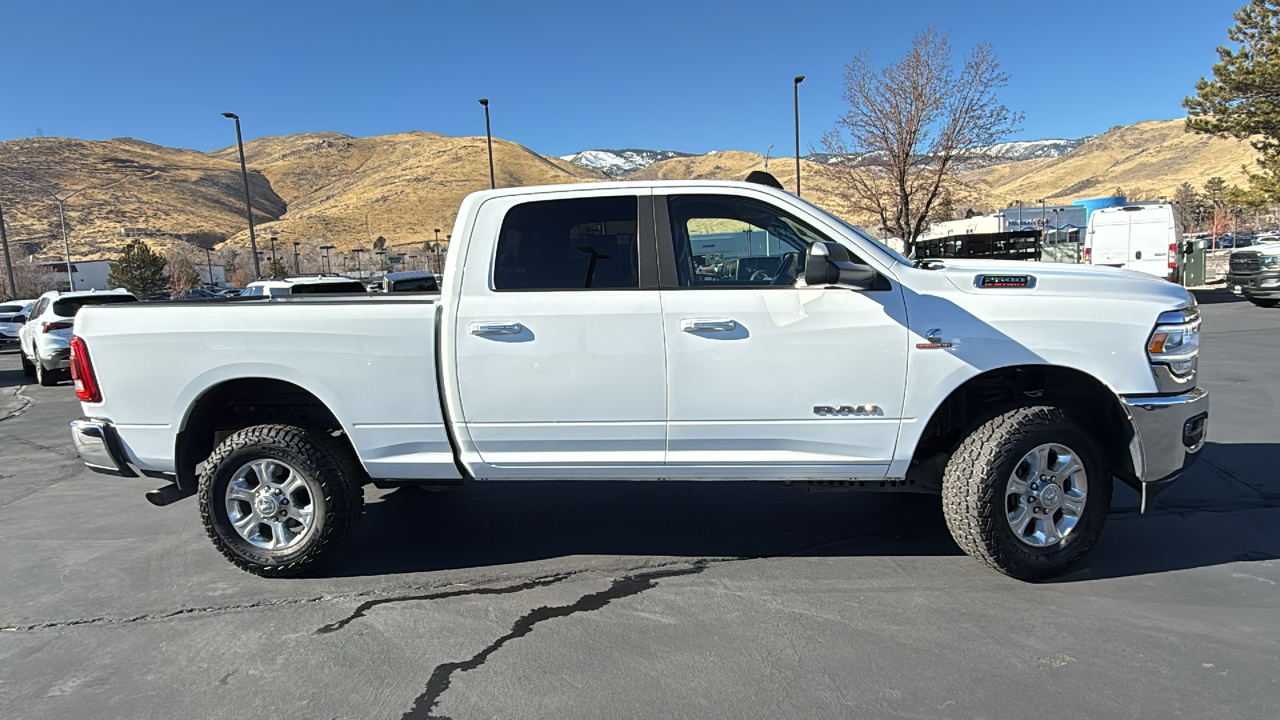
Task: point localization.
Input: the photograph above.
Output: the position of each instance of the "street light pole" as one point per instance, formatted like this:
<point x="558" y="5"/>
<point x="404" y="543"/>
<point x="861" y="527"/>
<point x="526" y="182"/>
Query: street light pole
<point x="766" y="157"/>
<point x="248" y="204"/>
<point x="327" y="262"/>
<point x="1042" y="213"/>
<point x="297" y="261"/>
<point x="208" y="258"/>
<point x="796" y="88"/>
<point x="8" y="263"/>
<point x="488" y="136"/>
<point x="66" y="244"/>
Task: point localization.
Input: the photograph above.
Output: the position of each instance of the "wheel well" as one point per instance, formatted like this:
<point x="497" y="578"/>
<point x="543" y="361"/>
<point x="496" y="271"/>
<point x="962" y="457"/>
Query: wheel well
<point x="238" y="404"/>
<point x="1086" y="400"/>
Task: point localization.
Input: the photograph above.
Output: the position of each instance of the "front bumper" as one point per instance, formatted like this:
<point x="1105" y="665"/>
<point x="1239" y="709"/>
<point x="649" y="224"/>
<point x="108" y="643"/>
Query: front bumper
<point x="1168" y="433"/>
<point x="1262" y="285"/>
<point x="99" y="447"/>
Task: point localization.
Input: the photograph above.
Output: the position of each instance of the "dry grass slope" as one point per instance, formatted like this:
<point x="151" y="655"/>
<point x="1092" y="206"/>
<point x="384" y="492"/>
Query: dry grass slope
<point x="126" y="182"/>
<point x="1149" y="159"/>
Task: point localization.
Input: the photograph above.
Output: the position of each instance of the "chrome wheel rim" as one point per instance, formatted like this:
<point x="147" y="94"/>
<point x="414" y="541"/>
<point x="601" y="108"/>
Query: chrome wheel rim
<point x="1045" y="496"/>
<point x="270" y="504"/>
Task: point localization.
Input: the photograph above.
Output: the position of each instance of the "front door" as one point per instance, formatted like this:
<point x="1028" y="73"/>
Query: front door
<point x="559" y="342"/>
<point x="767" y="379"/>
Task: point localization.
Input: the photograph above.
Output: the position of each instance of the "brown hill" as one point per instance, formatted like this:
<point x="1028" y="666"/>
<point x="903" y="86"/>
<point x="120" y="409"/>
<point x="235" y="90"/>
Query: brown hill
<point x="170" y="193"/>
<point x="1148" y="159"/>
<point x="347" y="191"/>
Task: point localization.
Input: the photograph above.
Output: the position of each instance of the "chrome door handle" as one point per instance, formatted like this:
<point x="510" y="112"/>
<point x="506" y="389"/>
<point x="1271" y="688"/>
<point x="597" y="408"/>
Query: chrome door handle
<point x="492" y="328"/>
<point x="705" y="326"/>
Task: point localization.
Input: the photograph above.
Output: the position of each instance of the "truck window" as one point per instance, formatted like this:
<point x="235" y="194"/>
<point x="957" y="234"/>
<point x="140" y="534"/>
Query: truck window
<point x="725" y="241"/>
<point x="584" y="243"/>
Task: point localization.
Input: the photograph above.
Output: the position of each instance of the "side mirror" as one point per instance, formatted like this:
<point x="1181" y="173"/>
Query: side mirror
<point x="829" y="263"/>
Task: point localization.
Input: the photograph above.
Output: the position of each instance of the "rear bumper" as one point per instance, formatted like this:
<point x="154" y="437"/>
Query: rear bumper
<point x="99" y="447"/>
<point x="1168" y="434"/>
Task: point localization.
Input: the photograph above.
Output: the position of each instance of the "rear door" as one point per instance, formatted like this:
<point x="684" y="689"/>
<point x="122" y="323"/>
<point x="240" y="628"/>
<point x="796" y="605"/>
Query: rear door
<point x="559" y="344"/>
<point x="1109" y="238"/>
<point x="766" y="379"/>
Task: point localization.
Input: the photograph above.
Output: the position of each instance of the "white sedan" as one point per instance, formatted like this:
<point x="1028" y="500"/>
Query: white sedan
<point x="12" y="315"/>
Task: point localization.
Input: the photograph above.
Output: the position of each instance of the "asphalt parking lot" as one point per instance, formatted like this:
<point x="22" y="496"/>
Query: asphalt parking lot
<point x="560" y="600"/>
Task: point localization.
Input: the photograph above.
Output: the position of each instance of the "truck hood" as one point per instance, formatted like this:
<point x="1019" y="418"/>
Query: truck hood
<point x="1066" y="280"/>
<point x="1260" y="249"/>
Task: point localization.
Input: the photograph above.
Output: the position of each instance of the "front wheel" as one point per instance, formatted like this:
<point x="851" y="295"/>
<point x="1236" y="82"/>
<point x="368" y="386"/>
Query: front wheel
<point x="1265" y="302"/>
<point x="1027" y="493"/>
<point x="279" y="500"/>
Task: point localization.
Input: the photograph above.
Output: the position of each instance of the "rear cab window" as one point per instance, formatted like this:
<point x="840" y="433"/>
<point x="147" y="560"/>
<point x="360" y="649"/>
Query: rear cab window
<point x="573" y="244"/>
<point x="68" y="307"/>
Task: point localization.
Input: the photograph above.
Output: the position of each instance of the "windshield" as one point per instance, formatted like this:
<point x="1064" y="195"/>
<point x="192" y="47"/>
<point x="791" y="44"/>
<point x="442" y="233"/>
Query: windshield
<point x="70" y="306"/>
<point x="863" y="234"/>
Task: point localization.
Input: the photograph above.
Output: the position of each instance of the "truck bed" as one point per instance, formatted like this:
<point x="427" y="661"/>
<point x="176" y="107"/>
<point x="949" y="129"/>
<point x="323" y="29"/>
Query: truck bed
<point x="369" y="359"/>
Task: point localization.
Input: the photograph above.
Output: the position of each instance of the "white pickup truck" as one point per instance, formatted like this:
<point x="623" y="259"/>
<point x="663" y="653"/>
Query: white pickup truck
<point x="658" y="331"/>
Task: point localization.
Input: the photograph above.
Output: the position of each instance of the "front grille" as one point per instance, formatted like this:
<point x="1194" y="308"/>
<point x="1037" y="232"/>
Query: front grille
<point x="1245" y="263"/>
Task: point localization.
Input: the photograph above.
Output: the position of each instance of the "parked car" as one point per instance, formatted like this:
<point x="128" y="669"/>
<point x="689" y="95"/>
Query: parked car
<point x="304" y="285"/>
<point x="1135" y="237"/>
<point x="12" y="315"/>
<point x="44" y="339"/>
<point x="194" y="294"/>
<point x="409" y="281"/>
<point x="1255" y="274"/>
<point x="576" y="341"/>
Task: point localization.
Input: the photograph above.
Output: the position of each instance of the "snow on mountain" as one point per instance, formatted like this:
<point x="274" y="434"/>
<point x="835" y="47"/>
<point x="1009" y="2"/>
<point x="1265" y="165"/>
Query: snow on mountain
<point x="616" y="163"/>
<point x="1035" y="149"/>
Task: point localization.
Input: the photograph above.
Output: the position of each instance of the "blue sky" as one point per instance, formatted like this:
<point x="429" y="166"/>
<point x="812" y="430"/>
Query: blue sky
<point x="566" y="76"/>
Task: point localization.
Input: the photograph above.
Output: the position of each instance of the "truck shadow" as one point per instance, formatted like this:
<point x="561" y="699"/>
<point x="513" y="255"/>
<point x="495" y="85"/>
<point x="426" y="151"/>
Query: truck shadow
<point x="1195" y="524"/>
<point x="1216" y="296"/>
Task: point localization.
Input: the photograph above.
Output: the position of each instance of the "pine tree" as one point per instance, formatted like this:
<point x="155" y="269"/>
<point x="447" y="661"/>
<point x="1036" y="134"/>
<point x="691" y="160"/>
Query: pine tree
<point x="1240" y="100"/>
<point x="140" y="270"/>
<point x="1189" y="206"/>
<point x="276" y="268"/>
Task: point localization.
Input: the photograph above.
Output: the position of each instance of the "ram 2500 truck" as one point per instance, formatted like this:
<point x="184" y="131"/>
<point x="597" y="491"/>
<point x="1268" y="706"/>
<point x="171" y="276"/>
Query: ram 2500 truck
<point x="1255" y="273"/>
<point x="658" y="331"/>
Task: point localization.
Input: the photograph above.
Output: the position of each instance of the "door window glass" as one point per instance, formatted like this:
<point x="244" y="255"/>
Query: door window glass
<point x="583" y="243"/>
<point x="726" y="241"/>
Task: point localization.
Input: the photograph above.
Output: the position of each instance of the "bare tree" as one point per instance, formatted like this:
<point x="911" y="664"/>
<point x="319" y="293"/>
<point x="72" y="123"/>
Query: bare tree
<point x="911" y="128"/>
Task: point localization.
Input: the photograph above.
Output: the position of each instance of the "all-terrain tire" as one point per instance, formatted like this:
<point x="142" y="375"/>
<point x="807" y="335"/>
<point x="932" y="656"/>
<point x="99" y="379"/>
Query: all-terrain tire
<point x="28" y="367"/>
<point x="974" y="487"/>
<point x="327" y="464"/>
<point x="1265" y="302"/>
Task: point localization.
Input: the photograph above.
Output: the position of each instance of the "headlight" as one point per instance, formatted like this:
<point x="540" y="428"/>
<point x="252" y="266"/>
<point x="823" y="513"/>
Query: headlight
<point x="1176" y="341"/>
<point x="1271" y="260"/>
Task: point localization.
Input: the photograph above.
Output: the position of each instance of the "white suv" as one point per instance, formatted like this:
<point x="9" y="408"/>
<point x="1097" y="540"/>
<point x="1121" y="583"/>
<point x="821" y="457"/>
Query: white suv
<point x="44" y="340"/>
<point x="304" y="285"/>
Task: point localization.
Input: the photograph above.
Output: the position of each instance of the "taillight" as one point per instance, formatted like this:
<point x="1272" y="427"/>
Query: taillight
<point x="1088" y="255"/>
<point x="1173" y="255"/>
<point x="49" y="326"/>
<point x="82" y="372"/>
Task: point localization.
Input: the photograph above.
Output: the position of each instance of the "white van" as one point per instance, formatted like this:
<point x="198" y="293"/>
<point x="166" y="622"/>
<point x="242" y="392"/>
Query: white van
<point x="1133" y="237"/>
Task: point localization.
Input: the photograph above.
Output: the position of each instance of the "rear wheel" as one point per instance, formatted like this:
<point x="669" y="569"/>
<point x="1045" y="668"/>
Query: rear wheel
<point x="46" y="378"/>
<point x="279" y="500"/>
<point x="28" y="368"/>
<point x="1265" y="302"/>
<point x="1027" y="493"/>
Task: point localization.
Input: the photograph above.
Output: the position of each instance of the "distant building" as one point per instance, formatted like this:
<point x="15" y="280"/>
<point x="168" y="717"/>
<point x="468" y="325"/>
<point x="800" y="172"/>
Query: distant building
<point x="93" y="274"/>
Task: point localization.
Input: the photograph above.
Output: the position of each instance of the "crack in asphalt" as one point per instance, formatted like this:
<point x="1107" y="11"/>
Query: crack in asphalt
<point x="27" y="404"/>
<point x="626" y="586"/>
<point x="364" y="608"/>
<point x="359" y="612"/>
<point x="1232" y="476"/>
